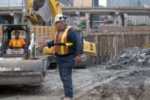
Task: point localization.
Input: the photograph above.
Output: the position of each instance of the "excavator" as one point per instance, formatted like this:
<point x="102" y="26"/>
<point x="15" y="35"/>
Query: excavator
<point x="41" y="12"/>
<point x="26" y="68"/>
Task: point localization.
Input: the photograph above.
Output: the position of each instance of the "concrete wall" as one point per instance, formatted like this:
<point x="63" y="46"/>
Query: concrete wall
<point x="110" y="44"/>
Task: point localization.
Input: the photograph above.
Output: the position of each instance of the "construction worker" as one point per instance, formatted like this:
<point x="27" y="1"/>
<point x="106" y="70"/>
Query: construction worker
<point x="17" y="44"/>
<point x="68" y="49"/>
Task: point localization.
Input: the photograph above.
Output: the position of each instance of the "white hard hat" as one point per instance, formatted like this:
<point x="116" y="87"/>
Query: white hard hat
<point x="60" y="17"/>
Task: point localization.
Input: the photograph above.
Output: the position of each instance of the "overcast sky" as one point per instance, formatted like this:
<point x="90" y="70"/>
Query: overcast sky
<point x="102" y="2"/>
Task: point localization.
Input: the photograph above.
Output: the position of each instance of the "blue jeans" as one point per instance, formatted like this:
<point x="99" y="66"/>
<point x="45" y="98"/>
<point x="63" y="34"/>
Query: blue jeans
<point x="65" y="71"/>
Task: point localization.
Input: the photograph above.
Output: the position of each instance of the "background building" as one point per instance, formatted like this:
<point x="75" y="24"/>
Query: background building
<point x="68" y="3"/>
<point x="85" y="3"/>
<point x="131" y="4"/>
<point x="128" y="3"/>
<point x="82" y="3"/>
<point x="95" y="2"/>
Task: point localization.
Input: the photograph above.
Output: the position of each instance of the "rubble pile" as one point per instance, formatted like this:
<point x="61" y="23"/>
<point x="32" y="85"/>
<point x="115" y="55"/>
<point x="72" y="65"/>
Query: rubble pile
<point x="131" y="57"/>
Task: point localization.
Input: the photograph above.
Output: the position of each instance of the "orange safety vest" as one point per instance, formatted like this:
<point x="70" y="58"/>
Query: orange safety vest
<point x="17" y="43"/>
<point x="61" y="45"/>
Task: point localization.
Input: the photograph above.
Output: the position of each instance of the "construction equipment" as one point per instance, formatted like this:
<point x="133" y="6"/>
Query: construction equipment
<point x="20" y="68"/>
<point x="146" y="45"/>
<point x="41" y="11"/>
<point x="44" y="11"/>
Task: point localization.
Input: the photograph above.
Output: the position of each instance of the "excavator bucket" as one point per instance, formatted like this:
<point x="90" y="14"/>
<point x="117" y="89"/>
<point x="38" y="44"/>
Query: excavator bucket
<point x="42" y="11"/>
<point x="38" y="11"/>
<point x="21" y="72"/>
<point x="37" y="4"/>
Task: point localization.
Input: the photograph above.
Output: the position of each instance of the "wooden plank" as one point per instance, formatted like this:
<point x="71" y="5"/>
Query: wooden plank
<point x="110" y="44"/>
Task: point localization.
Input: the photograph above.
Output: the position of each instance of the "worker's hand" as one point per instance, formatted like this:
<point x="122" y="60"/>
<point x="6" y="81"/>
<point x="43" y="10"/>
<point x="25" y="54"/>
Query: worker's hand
<point x="42" y="43"/>
<point x="78" y="59"/>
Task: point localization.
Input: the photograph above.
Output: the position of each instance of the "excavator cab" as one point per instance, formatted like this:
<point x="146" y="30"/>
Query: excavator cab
<point x="8" y="34"/>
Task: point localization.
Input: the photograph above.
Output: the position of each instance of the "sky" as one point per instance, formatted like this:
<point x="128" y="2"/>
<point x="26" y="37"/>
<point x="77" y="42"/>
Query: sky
<point x="102" y="2"/>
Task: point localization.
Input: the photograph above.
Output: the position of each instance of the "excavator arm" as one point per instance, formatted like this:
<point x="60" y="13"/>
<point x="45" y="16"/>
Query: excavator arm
<point x="40" y="11"/>
<point x="55" y="8"/>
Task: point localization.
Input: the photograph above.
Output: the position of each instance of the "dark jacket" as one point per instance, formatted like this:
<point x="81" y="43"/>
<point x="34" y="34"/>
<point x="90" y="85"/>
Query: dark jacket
<point x="76" y="49"/>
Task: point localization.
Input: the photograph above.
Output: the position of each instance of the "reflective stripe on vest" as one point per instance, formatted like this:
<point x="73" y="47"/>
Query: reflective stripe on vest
<point x="69" y="44"/>
<point x="14" y="44"/>
<point x="63" y="38"/>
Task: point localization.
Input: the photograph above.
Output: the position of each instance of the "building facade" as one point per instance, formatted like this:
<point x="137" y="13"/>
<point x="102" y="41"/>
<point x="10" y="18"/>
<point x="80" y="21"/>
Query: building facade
<point x="128" y="3"/>
<point x="68" y="3"/>
<point x="132" y="4"/>
<point x="95" y="3"/>
<point x="85" y="3"/>
<point x="82" y="3"/>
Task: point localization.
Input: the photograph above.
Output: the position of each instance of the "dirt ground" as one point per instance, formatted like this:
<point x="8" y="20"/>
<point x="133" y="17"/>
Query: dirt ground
<point x="126" y="77"/>
<point x="89" y="84"/>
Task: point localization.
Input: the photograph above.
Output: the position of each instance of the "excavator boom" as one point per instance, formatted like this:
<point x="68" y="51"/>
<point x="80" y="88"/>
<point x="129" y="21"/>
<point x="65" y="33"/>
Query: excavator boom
<point x="41" y="11"/>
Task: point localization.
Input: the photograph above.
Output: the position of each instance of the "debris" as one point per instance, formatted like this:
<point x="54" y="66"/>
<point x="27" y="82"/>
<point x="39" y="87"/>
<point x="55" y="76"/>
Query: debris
<point x="139" y="57"/>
